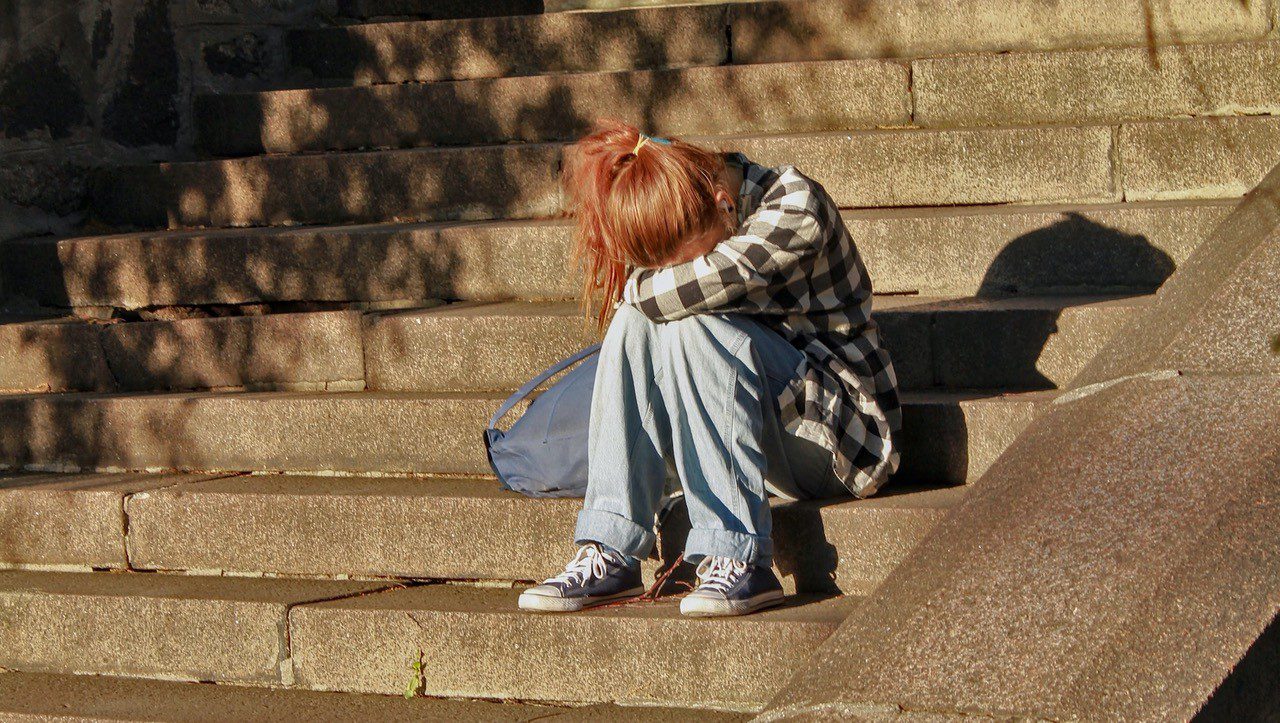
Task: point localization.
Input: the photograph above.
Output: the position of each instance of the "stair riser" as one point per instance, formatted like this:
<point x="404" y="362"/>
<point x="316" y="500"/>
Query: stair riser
<point x="846" y="549"/>
<point x="757" y="33"/>
<point x="1205" y="158"/>
<point x="371" y="433"/>
<point x="1017" y="349"/>
<point x="756" y="99"/>
<point x="988" y="90"/>
<point x="781" y="31"/>
<point x="1099" y="249"/>
<point x="149" y="626"/>
<point x="425" y="185"/>
<point x="138" y="637"/>
<point x="738" y="664"/>
<point x="493" y="47"/>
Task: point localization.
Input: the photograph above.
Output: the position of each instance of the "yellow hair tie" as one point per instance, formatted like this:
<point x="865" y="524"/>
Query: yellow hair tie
<point x="643" y="139"/>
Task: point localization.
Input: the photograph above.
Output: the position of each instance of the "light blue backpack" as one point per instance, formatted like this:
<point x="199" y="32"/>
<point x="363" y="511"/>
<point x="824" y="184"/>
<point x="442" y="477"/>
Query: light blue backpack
<point x="544" y="453"/>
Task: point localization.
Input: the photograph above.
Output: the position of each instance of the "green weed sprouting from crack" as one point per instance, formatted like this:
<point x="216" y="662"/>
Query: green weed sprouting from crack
<point x="418" y="681"/>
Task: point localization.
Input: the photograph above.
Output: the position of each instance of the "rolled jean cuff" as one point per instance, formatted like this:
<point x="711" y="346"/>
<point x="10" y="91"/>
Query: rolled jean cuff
<point x="753" y="549"/>
<point x="615" y="531"/>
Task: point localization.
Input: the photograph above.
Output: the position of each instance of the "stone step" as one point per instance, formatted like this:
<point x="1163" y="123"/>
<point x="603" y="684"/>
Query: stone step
<point x="691" y="35"/>
<point x="767" y="98"/>
<point x="1194" y="158"/>
<point x="1099" y="85"/>
<point x="416" y="185"/>
<point x="465" y="529"/>
<point x="289" y="632"/>
<point x="639" y="654"/>
<point x="1019" y="343"/>
<point x="440" y="528"/>
<point x="1071" y="249"/>
<point x="302" y="351"/>
<point x="155" y="626"/>
<point x="947" y="437"/>
<point x="1014" y="343"/>
<point x="524" y="45"/>
<point x="50" y="696"/>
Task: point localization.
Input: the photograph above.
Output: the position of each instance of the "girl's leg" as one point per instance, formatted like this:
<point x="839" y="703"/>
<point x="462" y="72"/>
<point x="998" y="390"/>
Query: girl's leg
<point x="629" y="439"/>
<point x="720" y="380"/>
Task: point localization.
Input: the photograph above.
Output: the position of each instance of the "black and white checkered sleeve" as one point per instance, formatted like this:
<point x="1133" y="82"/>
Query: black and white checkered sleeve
<point x="769" y="248"/>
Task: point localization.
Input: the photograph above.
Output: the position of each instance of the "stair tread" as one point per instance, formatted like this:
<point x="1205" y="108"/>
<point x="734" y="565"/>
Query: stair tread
<point x="350" y="595"/>
<point x="268" y="232"/>
<point x="99" y="697"/>
<point x="917" y="397"/>
<point x="895" y="495"/>
<point x="180" y="587"/>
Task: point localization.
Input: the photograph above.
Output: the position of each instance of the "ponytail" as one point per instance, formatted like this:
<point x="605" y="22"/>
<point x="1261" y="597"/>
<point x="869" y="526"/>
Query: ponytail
<point x="634" y="197"/>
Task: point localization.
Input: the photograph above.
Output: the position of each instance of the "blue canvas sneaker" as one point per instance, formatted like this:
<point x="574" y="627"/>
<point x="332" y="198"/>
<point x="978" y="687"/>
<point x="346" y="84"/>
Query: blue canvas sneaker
<point x="731" y="587"/>
<point x="593" y="577"/>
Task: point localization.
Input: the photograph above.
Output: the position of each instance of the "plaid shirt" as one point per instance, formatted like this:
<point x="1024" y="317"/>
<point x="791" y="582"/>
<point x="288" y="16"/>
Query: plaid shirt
<point x="793" y="263"/>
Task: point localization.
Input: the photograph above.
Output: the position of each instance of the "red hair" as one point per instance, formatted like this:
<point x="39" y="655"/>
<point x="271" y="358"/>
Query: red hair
<point x="634" y="206"/>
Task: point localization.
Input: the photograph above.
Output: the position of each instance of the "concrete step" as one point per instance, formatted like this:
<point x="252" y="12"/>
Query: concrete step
<point x="303" y="351"/>
<point x="1071" y="249"/>
<point x="1195" y="158"/>
<point x="639" y="654"/>
<point x="1014" y="343"/>
<point x="155" y="626"/>
<point x="768" y="98"/>
<point x="278" y="632"/>
<point x="1102" y="85"/>
<point x="947" y="437"/>
<point x="503" y="46"/>
<point x="50" y="696"/>
<point x="459" y="529"/>
<point x="1018" y="343"/>
<point x="691" y="35"/>
<point x="464" y="529"/>
<point x="417" y="185"/>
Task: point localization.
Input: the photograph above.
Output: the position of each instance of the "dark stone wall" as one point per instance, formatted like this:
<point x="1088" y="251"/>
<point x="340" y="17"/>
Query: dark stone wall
<point x="85" y="83"/>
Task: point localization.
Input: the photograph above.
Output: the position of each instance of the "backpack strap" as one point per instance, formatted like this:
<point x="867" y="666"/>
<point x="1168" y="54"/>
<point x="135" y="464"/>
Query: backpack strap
<point x="537" y="381"/>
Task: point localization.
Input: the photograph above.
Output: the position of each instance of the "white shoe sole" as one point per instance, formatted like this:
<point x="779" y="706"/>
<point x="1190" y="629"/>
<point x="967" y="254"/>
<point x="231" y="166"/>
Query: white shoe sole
<point x="551" y="604"/>
<point x="709" y="607"/>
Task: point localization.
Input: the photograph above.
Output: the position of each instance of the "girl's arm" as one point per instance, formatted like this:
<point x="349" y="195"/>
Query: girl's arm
<point x="770" y="251"/>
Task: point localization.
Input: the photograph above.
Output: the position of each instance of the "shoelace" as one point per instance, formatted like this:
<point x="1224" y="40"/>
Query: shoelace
<point x="587" y="563"/>
<point x="720" y="573"/>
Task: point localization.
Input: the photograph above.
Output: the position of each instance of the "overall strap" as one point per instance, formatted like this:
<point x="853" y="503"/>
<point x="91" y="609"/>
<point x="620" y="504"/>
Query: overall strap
<point x="534" y="383"/>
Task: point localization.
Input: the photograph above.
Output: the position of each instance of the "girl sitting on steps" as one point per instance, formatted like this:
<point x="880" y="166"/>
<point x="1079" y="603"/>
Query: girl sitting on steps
<point x="740" y="357"/>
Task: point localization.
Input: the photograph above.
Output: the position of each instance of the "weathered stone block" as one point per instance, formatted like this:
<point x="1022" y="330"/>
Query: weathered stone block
<point x="948" y="438"/>
<point x="1121" y="248"/>
<point x="474" y="183"/>
<point x="784" y="98"/>
<point x="1022" y="343"/>
<point x="1097" y="85"/>
<point x="391" y="262"/>
<point x="52" y="355"/>
<point x="776" y="31"/>
<point x="672" y="36"/>
<point x="470" y="346"/>
<point x="41" y="696"/>
<point x="66" y="520"/>
<point x="366" y="644"/>
<point x="1008" y="165"/>
<point x="189" y="628"/>
<point x="275" y="351"/>
<point x="1203" y="158"/>
<point x="426" y="529"/>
